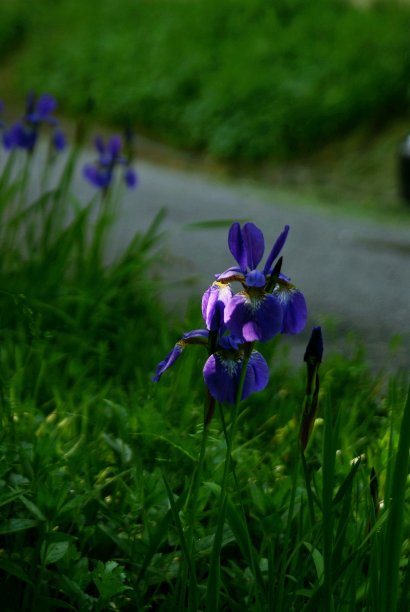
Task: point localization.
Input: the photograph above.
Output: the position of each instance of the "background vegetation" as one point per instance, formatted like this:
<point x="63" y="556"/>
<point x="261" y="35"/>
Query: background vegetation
<point x="240" y="80"/>
<point x="246" y="83"/>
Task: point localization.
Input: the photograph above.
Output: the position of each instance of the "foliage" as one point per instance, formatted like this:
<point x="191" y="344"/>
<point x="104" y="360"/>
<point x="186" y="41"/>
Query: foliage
<point x="239" y="80"/>
<point x="13" y="25"/>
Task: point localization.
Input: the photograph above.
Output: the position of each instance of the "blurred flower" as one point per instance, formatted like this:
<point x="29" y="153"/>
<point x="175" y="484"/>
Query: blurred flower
<point x="24" y="133"/>
<point x="101" y="172"/>
<point x="269" y="304"/>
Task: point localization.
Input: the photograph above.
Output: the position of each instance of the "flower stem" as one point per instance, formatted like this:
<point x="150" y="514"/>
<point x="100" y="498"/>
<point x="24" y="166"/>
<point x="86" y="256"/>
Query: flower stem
<point x="213" y="586"/>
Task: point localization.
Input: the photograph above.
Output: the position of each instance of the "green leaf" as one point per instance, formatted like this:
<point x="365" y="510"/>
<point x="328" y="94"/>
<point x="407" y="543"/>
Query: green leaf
<point x="212" y="224"/>
<point x="14" y="569"/>
<point x="109" y="579"/>
<point x="13" y="525"/>
<point x="346" y="485"/>
<point x="54" y="551"/>
<point x="35" y="510"/>
<point x="318" y="561"/>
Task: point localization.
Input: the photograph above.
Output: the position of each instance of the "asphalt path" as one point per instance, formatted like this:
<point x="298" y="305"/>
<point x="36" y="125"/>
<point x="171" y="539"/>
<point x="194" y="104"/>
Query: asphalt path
<point x="355" y="273"/>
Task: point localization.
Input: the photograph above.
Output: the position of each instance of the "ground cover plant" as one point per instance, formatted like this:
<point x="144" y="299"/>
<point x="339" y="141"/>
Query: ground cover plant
<point x="265" y="488"/>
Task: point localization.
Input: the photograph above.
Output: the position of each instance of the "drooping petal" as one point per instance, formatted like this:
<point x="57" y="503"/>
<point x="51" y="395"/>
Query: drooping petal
<point x="222" y="373"/>
<point x="169" y="360"/>
<point x="196" y="336"/>
<point x="253" y="318"/>
<point x="130" y="178"/>
<point x="13" y="136"/>
<point x="254" y="244"/>
<point x="59" y="141"/>
<point x="257" y="375"/>
<point x="97" y="177"/>
<point x="214" y="301"/>
<point x="276" y="249"/>
<point x="231" y="275"/>
<point x="294" y="307"/>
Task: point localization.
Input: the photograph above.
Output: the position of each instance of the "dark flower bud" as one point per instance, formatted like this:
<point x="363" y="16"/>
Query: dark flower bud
<point x="314" y="349"/>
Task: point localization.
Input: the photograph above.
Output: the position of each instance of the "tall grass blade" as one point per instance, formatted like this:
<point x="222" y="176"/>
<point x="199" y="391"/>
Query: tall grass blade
<point x="394" y="528"/>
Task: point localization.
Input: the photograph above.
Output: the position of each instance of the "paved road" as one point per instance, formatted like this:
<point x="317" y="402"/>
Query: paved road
<point x="356" y="271"/>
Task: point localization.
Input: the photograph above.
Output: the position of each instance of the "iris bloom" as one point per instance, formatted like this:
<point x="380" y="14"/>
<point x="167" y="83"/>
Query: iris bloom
<point x="24" y="134"/>
<point x="101" y="173"/>
<point x="269" y="304"/>
<point x="222" y="369"/>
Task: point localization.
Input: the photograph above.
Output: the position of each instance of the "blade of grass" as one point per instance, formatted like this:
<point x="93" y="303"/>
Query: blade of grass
<point x="393" y="531"/>
<point x="193" y="587"/>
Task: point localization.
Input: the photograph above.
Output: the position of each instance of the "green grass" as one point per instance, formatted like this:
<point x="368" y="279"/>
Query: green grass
<point x="111" y="495"/>
<point x="310" y="96"/>
<point x="240" y="80"/>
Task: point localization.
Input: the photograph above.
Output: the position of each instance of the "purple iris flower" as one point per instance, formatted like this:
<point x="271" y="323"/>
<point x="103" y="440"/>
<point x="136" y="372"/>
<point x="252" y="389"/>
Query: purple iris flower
<point x="269" y="304"/>
<point x="222" y="370"/>
<point x="101" y="173"/>
<point x="24" y="134"/>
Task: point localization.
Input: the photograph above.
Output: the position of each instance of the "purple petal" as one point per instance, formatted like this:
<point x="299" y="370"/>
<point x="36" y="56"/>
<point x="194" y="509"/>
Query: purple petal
<point x="236" y="245"/>
<point x="99" y="178"/>
<point x="114" y="145"/>
<point x="59" y="140"/>
<point x="231" y="274"/>
<point x="195" y="334"/>
<point x="169" y="360"/>
<point x="222" y="373"/>
<point x="257" y="375"/>
<point x="46" y="105"/>
<point x="13" y="136"/>
<point x="294" y="308"/>
<point x="277" y="247"/>
<point x="254" y="244"/>
<point x="246" y="245"/>
<point x="99" y="145"/>
<point x="130" y="178"/>
<point x="214" y="301"/>
<point x="254" y="318"/>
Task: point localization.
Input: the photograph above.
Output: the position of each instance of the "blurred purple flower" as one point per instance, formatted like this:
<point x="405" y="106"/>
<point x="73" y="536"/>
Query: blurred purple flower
<point x="24" y="133"/>
<point x="101" y="172"/>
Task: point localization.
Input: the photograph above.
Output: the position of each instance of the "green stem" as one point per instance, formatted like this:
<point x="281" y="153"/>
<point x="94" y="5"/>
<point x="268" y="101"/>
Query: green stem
<point x="214" y="570"/>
